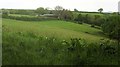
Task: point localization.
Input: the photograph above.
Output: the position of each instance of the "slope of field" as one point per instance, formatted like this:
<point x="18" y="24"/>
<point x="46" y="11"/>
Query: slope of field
<point x="55" y="28"/>
<point x="33" y="43"/>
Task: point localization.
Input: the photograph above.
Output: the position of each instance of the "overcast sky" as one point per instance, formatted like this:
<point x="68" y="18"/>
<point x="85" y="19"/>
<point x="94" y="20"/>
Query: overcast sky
<point x="81" y="5"/>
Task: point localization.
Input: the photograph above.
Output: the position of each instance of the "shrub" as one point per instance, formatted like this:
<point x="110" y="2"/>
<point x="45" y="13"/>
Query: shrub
<point x="112" y="27"/>
<point x="92" y="25"/>
<point x="25" y="18"/>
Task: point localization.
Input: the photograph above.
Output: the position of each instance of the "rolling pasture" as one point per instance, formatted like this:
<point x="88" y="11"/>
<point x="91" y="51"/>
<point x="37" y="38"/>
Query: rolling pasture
<point x="54" y="42"/>
<point x="55" y="28"/>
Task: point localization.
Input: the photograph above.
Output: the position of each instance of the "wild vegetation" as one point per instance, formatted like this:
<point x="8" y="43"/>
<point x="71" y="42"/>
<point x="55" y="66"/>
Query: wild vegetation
<point x="30" y="49"/>
<point x="60" y="37"/>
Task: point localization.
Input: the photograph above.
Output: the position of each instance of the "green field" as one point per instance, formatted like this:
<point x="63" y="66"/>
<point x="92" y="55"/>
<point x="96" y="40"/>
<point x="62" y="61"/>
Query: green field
<point x="55" y="42"/>
<point x="59" y="36"/>
<point x="55" y="28"/>
<point x="18" y="15"/>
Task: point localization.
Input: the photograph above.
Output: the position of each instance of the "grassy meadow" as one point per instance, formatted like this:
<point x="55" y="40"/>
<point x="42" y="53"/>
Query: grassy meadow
<point x="55" y="42"/>
<point x="55" y="28"/>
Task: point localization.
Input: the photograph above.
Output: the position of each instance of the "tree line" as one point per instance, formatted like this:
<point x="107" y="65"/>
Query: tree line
<point x="110" y="23"/>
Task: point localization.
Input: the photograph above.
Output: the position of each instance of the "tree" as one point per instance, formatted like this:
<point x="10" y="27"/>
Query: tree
<point x="58" y="10"/>
<point x="40" y="10"/>
<point x="63" y="14"/>
<point x="5" y="12"/>
<point x="66" y="15"/>
<point x="76" y="10"/>
<point x="112" y="27"/>
<point x="100" y="10"/>
<point x="79" y="18"/>
<point x="98" y="20"/>
<point x="88" y="19"/>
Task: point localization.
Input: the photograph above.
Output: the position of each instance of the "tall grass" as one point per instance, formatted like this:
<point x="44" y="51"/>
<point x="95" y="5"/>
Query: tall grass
<point x="55" y="28"/>
<point x="29" y="49"/>
<point x="23" y="46"/>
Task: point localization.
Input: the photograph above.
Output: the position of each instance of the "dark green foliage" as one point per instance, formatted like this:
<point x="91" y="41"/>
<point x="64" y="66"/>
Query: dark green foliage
<point x="66" y="15"/>
<point x="76" y="10"/>
<point x="100" y="10"/>
<point x="112" y="27"/>
<point x="98" y="20"/>
<point x="79" y="19"/>
<point x="5" y="13"/>
<point x="92" y="25"/>
<point x="93" y="20"/>
<point x="40" y="11"/>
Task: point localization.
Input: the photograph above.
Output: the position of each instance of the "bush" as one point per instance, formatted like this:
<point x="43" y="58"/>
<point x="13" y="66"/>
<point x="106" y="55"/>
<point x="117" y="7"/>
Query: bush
<point x="92" y="25"/>
<point x="89" y="19"/>
<point x="112" y="27"/>
<point x="25" y="18"/>
<point x="5" y="15"/>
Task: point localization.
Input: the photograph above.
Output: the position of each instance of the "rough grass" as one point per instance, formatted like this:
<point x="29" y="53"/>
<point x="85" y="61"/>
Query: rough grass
<point x="43" y="43"/>
<point x="30" y="49"/>
<point x="55" y="28"/>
